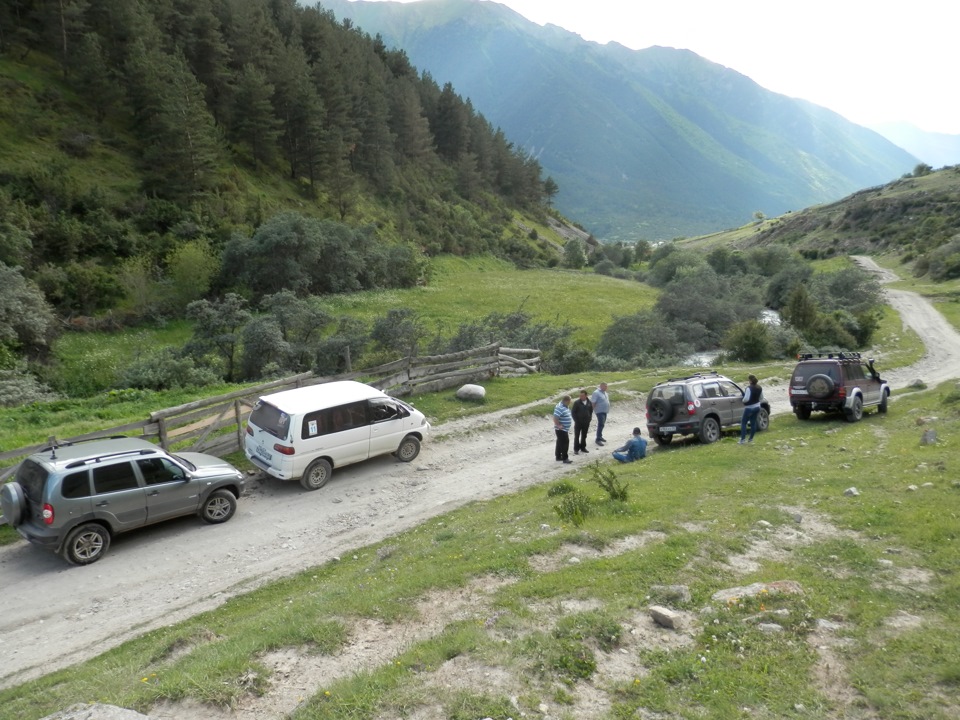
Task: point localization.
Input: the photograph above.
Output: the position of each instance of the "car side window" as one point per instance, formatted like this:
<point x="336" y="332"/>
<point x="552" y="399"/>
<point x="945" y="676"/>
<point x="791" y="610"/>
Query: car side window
<point x="856" y="372"/>
<point x="730" y="389"/>
<point x="113" y="478"/>
<point x="712" y="389"/>
<point x="159" y="470"/>
<point x="76" y="485"/>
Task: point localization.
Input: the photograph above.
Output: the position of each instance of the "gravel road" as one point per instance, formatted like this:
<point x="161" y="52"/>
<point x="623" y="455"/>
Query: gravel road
<point x="56" y="615"/>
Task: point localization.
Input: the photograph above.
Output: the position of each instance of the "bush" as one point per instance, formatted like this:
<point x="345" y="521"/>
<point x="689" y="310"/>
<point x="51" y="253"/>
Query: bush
<point x="18" y="387"/>
<point x="606" y="478"/>
<point x="166" y="370"/>
<point x="574" y="508"/>
<point x="564" y="487"/>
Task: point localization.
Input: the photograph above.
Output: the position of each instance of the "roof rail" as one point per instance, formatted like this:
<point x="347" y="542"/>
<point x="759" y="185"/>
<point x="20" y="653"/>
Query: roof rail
<point x="109" y="456"/>
<point x="703" y="374"/>
<point x="842" y="355"/>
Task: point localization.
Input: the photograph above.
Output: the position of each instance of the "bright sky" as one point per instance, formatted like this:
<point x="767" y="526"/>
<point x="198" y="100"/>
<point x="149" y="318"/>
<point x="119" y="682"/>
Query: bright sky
<point x="872" y="61"/>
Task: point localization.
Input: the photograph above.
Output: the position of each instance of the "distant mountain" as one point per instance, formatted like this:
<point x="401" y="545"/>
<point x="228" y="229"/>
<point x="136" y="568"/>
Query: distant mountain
<point x="935" y="149"/>
<point x="651" y="144"/>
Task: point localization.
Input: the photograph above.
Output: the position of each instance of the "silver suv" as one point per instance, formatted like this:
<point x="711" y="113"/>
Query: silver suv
<point x="701" y="404"/>
<point x="73" y="498"/>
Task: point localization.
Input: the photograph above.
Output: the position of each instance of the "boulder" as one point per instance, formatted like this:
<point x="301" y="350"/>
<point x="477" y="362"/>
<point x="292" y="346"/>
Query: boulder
<point x="472" y="392"/>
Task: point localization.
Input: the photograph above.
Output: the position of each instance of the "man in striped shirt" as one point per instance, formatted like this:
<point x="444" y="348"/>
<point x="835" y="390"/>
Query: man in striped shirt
<point x="562" y="422"/>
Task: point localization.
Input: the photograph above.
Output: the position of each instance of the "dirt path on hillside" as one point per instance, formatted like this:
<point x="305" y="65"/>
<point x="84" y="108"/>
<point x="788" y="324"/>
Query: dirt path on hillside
<point x="55" y="615"/>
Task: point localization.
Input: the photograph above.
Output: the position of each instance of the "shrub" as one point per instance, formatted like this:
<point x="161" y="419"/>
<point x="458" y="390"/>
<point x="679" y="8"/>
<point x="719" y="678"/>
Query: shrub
<point x="166" y="370"/>
<point x="574" y="508"/>
<point x="607" y="479"/>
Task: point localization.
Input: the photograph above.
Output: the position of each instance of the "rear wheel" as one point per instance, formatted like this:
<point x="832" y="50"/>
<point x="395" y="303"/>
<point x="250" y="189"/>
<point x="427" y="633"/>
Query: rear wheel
<point x="86" y="544"/>
<point x="855" y="411"/>
<point x="709" y="430"/>
<point x="219" y="507"/>
<point x="662" y="439"/>
<point x="803" y="412"/>
<point x="409" y="449"/>
<point x="317" y="474"/>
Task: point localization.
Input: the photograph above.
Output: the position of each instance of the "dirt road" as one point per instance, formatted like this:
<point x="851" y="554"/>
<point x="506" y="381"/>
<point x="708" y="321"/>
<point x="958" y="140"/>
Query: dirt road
<point x="55" y="615"/>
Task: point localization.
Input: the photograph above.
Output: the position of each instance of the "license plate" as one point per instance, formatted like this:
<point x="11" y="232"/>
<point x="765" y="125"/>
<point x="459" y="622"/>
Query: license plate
<point x="262" y="452"/>
<point x="670" y="428"/>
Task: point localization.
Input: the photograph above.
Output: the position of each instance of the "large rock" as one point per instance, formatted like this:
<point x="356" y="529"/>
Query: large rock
<point x="96" y="711"/>
<point x="472" y="392"/>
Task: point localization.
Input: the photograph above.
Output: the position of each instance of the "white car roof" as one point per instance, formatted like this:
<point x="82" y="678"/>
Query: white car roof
<point x="316" y="397"/>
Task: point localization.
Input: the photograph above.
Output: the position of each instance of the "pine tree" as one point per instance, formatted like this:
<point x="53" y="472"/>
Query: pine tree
<point x="254" y="121"/>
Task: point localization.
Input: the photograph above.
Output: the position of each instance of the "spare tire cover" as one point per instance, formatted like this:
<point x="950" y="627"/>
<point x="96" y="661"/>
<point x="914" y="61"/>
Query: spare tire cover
<point x="820" y="386"/>
<point x="660" y="410"/>
<point x="13" y="502"/>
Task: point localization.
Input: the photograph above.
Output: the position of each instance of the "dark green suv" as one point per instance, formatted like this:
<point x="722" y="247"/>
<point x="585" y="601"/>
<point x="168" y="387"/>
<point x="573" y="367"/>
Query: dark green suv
<point x="73" y="498"/>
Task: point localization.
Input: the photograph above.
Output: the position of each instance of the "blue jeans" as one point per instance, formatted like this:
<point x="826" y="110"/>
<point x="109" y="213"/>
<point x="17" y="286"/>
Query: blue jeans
<point x="750" y="416"/>
<point x="601" y="421"/>
<point x="622" y="457"/>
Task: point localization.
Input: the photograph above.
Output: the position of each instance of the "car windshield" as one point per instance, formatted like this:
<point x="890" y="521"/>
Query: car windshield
<point x="184" y="462"/>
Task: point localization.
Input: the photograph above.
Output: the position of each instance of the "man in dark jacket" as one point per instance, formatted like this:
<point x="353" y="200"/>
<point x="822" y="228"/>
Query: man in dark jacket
<point x="582" y="411"/>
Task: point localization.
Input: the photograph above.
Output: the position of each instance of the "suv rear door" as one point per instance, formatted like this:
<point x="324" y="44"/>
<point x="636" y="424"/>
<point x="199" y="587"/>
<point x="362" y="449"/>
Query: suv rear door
<point x="713" y="399"/>
<point x="861" y="376"/>
<point x="118" y="495"/>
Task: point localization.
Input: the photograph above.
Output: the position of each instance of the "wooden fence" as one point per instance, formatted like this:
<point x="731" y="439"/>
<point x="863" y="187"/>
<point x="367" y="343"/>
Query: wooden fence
<point x="216" y="425"/>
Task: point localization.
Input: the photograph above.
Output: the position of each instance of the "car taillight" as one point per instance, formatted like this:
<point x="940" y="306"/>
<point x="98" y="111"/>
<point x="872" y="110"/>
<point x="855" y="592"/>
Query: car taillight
<point x="841" y="392"/>
<point x="47" y="514"/>
<point x="249" y="430"/>
<point x="283" y="449"/>
<point x="691" y="409"/>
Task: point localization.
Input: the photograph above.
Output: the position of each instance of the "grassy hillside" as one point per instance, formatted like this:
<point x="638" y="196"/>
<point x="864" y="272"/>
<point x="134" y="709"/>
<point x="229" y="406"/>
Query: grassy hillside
<point x="908" y="217"/>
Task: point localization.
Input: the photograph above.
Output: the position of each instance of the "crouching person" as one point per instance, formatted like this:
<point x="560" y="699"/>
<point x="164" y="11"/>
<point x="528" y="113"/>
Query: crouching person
<point x="634" y="449"/>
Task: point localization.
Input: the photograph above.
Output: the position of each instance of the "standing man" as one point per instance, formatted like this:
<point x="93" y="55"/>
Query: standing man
<point x="751" y="409"/>
<point x="562" y="420"/>
<point x="582" y="412"/>
<point x="634" y="449"/>
<point x="601" y="406"/>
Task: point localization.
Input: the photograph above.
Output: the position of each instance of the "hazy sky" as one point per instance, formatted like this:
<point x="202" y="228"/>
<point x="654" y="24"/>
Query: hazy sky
<point x="872" y="61"/>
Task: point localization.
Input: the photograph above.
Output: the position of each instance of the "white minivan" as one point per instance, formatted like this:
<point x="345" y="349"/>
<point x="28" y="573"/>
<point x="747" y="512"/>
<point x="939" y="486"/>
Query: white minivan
<point x="306" y="432"/>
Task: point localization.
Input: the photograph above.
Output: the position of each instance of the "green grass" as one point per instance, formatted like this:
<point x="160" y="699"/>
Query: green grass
<point x="468" y="289"/>
<point x="551" y="624"/>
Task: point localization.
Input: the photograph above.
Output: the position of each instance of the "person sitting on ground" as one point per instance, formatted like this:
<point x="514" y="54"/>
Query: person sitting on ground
<point x="634" y="449"/>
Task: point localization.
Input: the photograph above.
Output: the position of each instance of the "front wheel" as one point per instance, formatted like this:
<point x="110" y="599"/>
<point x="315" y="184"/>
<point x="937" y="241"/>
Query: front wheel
<point x="86" y="544"/>
<point x="855" y="412"/>
<point x="882" y="407"/>
<point x="317" y="474"/>
<point x="662" y="440"/>
<point x="709" y="431"/>
<point x="763" y="419"/>
<point x="219" y="507"/>
<point x="409" y="449"/>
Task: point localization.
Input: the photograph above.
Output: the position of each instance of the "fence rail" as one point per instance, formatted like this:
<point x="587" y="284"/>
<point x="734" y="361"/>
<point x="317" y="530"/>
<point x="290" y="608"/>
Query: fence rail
<point x="215" y="425"/>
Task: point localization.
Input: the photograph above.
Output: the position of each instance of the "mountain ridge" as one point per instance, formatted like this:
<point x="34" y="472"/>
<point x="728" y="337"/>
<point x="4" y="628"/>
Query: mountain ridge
<point x="644" y="144"/>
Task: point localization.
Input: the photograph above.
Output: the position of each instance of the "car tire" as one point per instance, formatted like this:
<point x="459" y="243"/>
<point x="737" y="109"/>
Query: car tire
<point x="219" y="507"/>
<point x="660" y="410"/>
<point x="709" y="430"/>
<point x="86" y="544"/>
<point x="820" y="386"/>
<point x="662" y="440"/>
<point x="317" y="475"/>
<point x="803" y="412"/>
<point x="855" y="411"/>
<point x="409" y="449"/>
<point x="883" y="406"/>
<point x="13" y="502"/>
<point x="763" y="420"/>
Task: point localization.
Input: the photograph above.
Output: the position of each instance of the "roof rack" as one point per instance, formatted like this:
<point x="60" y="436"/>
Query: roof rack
<point x="830" y="356"/>
<point x="704" y="374"/>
